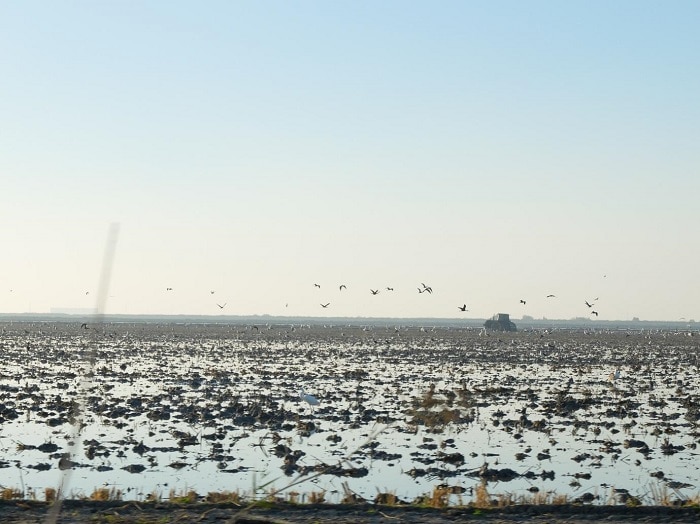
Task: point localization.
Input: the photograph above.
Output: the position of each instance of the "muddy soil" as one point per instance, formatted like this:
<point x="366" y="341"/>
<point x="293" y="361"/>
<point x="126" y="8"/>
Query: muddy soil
<point x="82" y="512"/>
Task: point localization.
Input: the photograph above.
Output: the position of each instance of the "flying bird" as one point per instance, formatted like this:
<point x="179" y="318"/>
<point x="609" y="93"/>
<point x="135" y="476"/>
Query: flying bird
<point x="426" y="288"/>
<point x="594" y="313"/>
<point x="342" y="286"/>
<point x="222" y="306"/>
<point x="168" y="289"/>
<point x="390" y="289"/>
<point x="589" y="304"/>
<point x="325" y="305"/>
<point x="374" y="291"/>
<point x="522" y="301"/>
<point x="317" y="285"/>
<point x="211" y="292"/>
<point x="462" y="308"/>
<point x="551" y="296"/>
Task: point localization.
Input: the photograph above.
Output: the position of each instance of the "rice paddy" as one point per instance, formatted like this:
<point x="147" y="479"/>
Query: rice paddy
<point x="416" y="414"/>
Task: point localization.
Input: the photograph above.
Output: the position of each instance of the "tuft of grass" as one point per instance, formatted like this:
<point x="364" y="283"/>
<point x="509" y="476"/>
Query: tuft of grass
<point x="439" y="498"/>
<point x="11" y="494"/>
<point x="434" y="419"/>
<point x="227" y="497"/>
<point x="188" y="498"/>
<point x="50" y="494"/>
<point x="482" y="499"/>
<point x="388" y="499"/>
<point x="660" y="496"/>
<point x="560" y="500"/>
<point x="349" y="496"/>
<point x="106" y="494"/>
<point x="633" y="502"/>
<point x="317" y="497"/>
<point x="505" y="500"/>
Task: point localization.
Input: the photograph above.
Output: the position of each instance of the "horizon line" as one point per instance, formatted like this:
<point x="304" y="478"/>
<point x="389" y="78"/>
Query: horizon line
<point x="578" y="320"/>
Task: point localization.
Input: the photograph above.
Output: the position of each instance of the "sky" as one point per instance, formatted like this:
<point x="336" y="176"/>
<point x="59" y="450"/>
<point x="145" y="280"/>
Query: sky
<point x="493" y="151"/>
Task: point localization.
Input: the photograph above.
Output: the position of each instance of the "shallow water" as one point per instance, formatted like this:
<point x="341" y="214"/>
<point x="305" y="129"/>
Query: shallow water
<point x="403" y="409"/>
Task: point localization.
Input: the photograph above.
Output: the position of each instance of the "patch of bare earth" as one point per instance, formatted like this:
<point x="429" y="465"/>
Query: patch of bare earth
<point x="80" y="512"/>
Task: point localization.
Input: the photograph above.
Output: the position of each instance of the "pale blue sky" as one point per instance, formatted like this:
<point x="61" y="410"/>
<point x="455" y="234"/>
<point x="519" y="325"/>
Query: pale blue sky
<point x="493" y="150"/>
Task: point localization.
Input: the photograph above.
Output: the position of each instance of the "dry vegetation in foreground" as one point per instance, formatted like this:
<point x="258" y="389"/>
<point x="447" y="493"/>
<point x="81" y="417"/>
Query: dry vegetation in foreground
<point x="440" y="497"/>
<point x="441" y="506"/>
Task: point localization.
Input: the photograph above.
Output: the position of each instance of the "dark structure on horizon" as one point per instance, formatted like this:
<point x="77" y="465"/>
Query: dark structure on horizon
<point x="500" y="322"/>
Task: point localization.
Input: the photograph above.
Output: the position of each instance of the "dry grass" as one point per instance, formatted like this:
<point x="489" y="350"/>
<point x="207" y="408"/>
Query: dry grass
<point x="432" y="419"/>
<point x="505" y="499"/>
<point x="11" y="494"/>
<point x="482" y="499"/>
<point x="560" y="500"/>
<point x="106" y="494"/>
<point x="190" y="497"/>
<point x="224" y="497"/>
<point x="660" y="496"/>
<point x="387" y="499"/>
<point x="317" y="497"/>
<point x="439" y="498"/>
<point x="50" y="494"/>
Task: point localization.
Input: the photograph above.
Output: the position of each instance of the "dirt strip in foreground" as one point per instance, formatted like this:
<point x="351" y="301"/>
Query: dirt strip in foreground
<point x="82" y="512"/>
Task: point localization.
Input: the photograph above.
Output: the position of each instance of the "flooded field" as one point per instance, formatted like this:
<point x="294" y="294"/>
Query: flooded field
<point x="593" y="416"/>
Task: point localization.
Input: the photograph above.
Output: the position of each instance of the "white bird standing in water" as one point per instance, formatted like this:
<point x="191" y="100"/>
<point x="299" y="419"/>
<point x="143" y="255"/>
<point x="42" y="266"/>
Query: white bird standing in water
<point x="308" y="398"/>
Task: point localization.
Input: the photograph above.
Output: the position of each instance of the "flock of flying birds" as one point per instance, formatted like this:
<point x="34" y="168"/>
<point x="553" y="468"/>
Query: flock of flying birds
<point x="424" y="288"/>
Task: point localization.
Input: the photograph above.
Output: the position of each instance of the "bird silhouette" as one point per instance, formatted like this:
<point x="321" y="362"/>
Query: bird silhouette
<point x="325" y="305"/>
<point x="374" y="291"/>
<point x="551" y="296"/>
<point x="589" y="304"/>
<point x="522" y="301"/>
<point x="390" y="289"/>
<point x="168" y="289"/>
<point x="222" y="306"/>
<point x="462" y="308"/>
<point x="342" y="286"/>
<point x="317" y="285"/>
<point x="426" y="288"/>
<point x="594" y="313"/>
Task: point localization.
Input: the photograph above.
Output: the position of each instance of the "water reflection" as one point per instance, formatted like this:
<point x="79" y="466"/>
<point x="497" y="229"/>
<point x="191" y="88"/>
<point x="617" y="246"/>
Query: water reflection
<point x="172" y="408"/>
